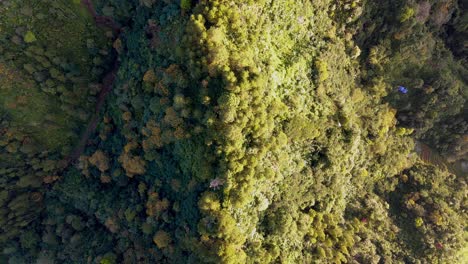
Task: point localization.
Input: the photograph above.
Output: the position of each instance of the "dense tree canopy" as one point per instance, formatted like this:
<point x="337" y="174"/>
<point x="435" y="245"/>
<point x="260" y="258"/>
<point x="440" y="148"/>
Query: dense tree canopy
<point x="220" y="131"/>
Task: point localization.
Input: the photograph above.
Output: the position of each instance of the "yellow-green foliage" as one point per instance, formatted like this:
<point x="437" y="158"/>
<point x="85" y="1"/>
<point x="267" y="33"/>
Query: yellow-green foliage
<point x="185" y="4"/>
<point x="29" y="37"/>
<point x="407" y="13"/>
<point x="275" y="122"/>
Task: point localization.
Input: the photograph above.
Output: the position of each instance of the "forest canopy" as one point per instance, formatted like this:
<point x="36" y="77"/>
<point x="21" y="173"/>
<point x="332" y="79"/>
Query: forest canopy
<point x="221" y="131"/>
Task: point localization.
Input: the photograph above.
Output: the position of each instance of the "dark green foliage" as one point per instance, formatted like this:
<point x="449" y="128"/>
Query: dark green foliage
<point x="414" y="55"/>
<point x="435" y="203"/>
<point x="45" y="80"/>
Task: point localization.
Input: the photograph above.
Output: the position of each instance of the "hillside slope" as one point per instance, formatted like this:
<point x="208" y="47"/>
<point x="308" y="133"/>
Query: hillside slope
<point x="266" y="131"/>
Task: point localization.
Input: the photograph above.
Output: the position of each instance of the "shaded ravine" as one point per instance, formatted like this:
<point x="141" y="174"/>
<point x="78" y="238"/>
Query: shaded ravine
<point x="107" y="84"/>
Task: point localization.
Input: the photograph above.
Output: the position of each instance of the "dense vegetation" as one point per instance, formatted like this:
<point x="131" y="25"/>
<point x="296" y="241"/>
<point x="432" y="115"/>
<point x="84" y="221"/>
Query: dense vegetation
<point x="253" y="131"/>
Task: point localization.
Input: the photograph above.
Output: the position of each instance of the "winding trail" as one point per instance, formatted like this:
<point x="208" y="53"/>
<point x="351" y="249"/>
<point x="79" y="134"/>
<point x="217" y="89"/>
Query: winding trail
<point x="101" y="20"/>
<point x="107" y="84"/>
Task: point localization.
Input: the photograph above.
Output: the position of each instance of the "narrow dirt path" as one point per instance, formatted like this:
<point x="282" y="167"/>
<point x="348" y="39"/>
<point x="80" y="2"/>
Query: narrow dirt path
<point x="107" y="83"/>
<point x="92" y="124"/>
<point x="104" y="21"/>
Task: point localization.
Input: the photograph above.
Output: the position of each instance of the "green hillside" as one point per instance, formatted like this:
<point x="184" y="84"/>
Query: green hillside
<point x="219" y="131"/>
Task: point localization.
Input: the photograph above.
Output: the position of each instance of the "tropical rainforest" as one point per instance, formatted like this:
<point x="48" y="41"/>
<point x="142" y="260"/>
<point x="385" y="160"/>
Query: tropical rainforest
<point x="233" y="131"/>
